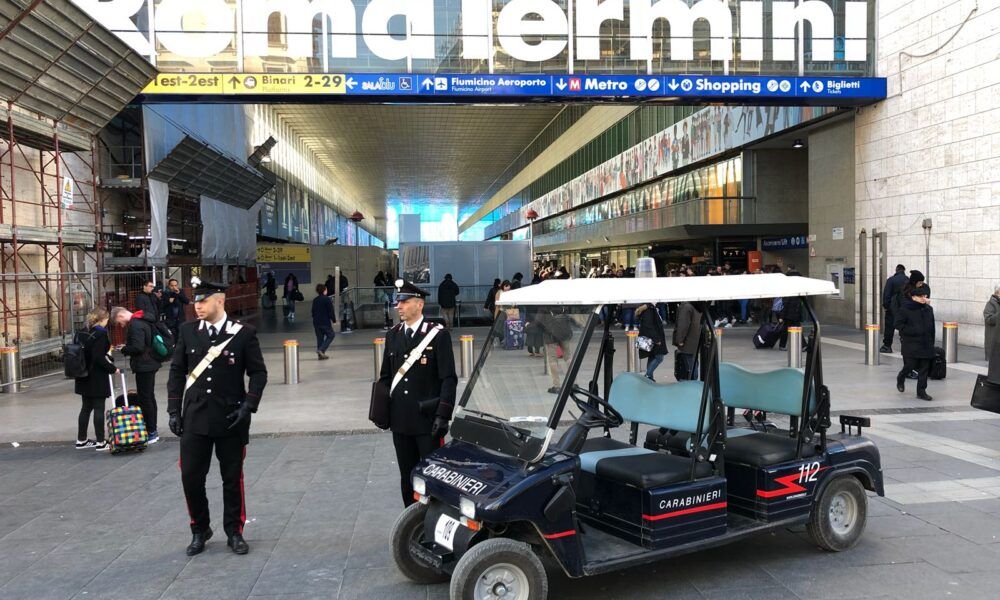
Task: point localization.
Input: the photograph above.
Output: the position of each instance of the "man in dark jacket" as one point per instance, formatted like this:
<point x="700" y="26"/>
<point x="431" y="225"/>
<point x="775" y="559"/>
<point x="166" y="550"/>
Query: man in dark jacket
<point x="891" y="295"/>
<point x="687" y="336"/>
<point x="216" y="380"/>
<point x="791" y="312"/>
<point x="423" y="396"/>
<point x="147" y="302"/>
<point x="323" y="315"/>
<point x="516" y="282"/>
<point x="991" y="319"/>
<point x="142" y="360"/>
<point x="447" y="295"/>
<point x="915" y="322"/>
<point x="174" y="301"/>
<point x="491" y="299"/>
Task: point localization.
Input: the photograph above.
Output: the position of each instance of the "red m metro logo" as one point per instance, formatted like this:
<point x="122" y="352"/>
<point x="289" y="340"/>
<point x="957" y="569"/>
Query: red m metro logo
<point x="574" y="84"/>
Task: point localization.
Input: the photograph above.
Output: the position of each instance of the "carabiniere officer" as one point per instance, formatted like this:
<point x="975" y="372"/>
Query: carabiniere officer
<point x="210" y="407"/>
<point x="422" y="402"/>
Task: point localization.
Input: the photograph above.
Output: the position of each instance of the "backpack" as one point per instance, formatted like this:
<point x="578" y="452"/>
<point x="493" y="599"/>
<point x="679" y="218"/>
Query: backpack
<point x="559" y="328"/>
<point x="75" y="358"/>
<point x="163" y="342"/>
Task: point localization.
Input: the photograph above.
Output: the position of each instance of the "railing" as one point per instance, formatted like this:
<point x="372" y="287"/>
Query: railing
<point x="372" y="301"/>
<point x="120" y="164"/>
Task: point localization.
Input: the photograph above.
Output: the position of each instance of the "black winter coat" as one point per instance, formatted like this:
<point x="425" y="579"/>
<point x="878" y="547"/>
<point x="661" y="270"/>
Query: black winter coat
<point x="447" y="293"/>
<point x="893" y="291"/>
<point x="915" y="323"/>
<point x="99" y="364"/>
<point x="139" y="345"/>
<point x="651" y="326"/>
<point x="149" y="304"/>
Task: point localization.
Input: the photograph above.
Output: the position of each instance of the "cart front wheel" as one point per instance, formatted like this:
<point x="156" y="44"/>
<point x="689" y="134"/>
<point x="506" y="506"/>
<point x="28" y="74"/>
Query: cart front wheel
<point x="499" y="568"/>
<point x="840" y="515"/>
<point x="410" y="527"/>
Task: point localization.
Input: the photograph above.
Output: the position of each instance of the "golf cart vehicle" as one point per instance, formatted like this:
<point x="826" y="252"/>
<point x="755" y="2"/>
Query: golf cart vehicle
<point x="531" y="475"/>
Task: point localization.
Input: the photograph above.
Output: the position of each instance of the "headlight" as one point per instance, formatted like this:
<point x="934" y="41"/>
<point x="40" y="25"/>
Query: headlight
<point x="468" y="507"/>
<point x="419" y="485"/>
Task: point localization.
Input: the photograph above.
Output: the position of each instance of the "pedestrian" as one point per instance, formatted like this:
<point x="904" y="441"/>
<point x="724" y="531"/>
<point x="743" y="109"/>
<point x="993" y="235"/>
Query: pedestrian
<point x="331" y="286"/>
<point x="95" y="387"/>
<point x="686" y="338"/>
<point x="991" y="317"/>
<point x="556" y="329"/>
<point x="343" y="282"/>
<point x="174" y="301"/>
<point x="210" y="406"/>
<point x="891" y="296"/>
<point x="532" y="333"/>
<point x="491" y="303"/>
<point x="447" y="294"/>
<point x="651" y="328"/>
<point x="142" y="360"/>
<point x="790" y="313"/>
<point x="147" y="302"/>
<point x="504" y="286"/>
<point x="290" y="294"/>
<point x="380" y="282"/>
<point x="515" y="283"/>
<point x="418" y="369"/>
<point x="323" y="316"/>
<point x="915" y="322"/>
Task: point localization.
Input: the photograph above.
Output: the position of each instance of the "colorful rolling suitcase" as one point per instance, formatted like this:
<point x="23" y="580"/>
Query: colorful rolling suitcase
<point x="513" y="338"/>
<point x="125" y="425"/>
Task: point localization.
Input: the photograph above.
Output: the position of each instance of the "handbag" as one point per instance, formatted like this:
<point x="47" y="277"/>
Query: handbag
<point x="644" y="343"/>
<point x="986" y="395"/>
<point x="378" y="410"/>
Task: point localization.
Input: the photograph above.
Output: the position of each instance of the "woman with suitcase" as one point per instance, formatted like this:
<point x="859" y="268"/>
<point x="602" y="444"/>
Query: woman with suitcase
<point x="96" y="386"/>
<point x="652" y="340"/>
<point x="915" y="322"/>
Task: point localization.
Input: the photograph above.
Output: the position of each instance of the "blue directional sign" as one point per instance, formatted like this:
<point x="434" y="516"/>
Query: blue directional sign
<point x="750" y="89"/>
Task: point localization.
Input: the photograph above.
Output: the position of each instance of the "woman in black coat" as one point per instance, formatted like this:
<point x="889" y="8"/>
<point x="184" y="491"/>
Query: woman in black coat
<point x="290" y="294"/>
<point x="915" y="322"/>
<point x="96" y="386"/>
<point x="650" y="326"/>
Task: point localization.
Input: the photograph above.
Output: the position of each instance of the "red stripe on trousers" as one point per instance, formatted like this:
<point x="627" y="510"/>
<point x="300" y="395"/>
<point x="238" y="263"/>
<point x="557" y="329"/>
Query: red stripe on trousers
<point x="186" y="503"/>
<point x="243" y="497"/>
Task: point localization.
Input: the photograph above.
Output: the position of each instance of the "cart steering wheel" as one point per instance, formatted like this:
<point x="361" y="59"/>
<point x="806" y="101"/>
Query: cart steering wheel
<point x="611" y="418"/>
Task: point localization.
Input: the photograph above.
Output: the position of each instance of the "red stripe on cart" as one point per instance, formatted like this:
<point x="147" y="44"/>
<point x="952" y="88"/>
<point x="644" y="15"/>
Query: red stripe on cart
<point x="685" y="511"/>
<point x="561" y="534"/>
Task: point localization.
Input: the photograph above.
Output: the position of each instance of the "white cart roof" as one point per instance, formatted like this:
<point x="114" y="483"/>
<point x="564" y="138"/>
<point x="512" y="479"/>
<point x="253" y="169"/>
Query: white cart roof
<point x="665" y="289"/>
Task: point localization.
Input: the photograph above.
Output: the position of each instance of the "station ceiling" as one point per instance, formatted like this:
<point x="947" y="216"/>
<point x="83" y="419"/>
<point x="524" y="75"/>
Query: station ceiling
<point x="431" y="154"/>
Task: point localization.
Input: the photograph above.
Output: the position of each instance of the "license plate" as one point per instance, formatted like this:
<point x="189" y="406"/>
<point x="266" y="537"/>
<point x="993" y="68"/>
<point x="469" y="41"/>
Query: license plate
<point x="444" y="531"/>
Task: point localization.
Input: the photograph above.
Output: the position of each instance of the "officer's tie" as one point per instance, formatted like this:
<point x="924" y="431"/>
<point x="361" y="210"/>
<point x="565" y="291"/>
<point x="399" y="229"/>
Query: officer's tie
<point x="212" y="332"/>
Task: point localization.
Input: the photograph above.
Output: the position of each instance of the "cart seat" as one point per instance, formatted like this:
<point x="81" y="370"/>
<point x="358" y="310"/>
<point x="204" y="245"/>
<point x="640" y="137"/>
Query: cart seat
<point x="764" y="449"/>
<point x="637" y="467"/>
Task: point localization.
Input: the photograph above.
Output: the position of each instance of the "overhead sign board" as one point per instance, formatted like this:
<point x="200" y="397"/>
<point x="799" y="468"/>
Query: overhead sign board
<point x="840" y="91"/>
<point x="408" y="35"/>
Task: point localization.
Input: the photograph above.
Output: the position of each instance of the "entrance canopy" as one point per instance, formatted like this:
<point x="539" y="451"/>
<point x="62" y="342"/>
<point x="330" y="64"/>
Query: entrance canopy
<point x="574" y="292"/>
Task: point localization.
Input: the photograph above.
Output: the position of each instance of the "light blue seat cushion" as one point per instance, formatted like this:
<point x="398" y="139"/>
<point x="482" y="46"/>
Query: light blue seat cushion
<point x="670" y="405"/>
<point x="778" y="391"/>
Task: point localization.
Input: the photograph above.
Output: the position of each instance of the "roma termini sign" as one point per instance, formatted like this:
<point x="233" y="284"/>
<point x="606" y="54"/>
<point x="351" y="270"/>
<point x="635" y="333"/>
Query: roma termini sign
<point x="445" y="35"/>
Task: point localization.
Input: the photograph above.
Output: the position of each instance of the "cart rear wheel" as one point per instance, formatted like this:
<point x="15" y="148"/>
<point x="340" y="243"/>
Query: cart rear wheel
<point x="840" y="515"/>
<point x="410" y="527"/>
<point x="499" y="568"/>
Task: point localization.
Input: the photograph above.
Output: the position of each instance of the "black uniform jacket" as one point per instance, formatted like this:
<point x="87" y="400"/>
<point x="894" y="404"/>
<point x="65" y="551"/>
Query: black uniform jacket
<point x="431" y="377"/>
<point x="221" y="389"/>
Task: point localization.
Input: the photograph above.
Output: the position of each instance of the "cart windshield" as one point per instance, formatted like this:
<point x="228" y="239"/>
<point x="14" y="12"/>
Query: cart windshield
<point x="508" y="403"/>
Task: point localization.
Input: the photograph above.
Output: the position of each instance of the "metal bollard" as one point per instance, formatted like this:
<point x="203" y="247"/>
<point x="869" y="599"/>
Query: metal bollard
<point x="10" y="370"/>
<point x="795" y="347"/>
<point x="291" y="361"/>
<point x="949" y="333"/>
<point x="872" y="345"/>
<point x="718" y="343"/>
<point x="379" y="346"/>
<point x="632" y="356"/>
<point x="466" y="342"/>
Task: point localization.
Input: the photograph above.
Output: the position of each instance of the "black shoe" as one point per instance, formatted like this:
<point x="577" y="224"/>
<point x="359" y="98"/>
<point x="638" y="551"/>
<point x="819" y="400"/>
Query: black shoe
<point x="238" y="544"/>
<point x="900" y="387"/>
<point x="885" y="349"/>
<point x="553" y="390"/>
<point x="198" y="542"/>
<point x="924" y="396"/>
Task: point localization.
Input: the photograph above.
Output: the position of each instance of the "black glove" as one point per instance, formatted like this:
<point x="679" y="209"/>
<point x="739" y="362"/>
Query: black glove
<point x="439" y="429"/>
<point x="239" y="416"/>
<point x="175" y="424"/>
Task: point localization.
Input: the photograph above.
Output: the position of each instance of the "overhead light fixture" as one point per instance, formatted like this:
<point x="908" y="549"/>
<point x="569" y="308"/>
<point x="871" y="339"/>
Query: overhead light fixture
<point x="798" y="144"/>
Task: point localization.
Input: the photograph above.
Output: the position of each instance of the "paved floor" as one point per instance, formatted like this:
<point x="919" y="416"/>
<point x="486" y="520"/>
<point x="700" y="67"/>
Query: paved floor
<point x="82" y="525"/>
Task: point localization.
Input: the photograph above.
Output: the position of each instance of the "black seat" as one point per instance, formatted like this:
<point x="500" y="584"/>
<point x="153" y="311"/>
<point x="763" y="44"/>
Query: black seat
<point x="764" y="449"/>
<point x="637" y="467"/>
